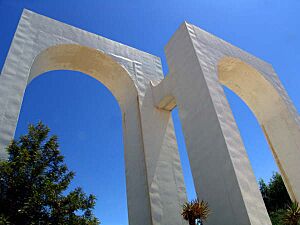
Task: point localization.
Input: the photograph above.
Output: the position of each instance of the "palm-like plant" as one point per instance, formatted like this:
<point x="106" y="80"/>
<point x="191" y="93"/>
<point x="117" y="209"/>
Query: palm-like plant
<point x="4" y="220"/>
<point x="195" y="212"/>
<point x="292" y="214"/>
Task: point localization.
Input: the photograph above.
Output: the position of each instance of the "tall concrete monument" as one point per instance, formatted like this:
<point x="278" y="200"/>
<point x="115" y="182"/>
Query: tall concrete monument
<point x="199" y="64"/>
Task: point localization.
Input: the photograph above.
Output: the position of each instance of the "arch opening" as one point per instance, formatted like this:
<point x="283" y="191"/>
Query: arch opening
<point x="87" y="119"/>
<point x="183" y="153"/>
<point x="266" y="104"/>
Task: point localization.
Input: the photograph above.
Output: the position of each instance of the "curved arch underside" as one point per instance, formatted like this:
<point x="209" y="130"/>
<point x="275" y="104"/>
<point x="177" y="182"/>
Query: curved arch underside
<point x="251" y="86"/>
<point x="89" y="61"/>
<point x="271" y="111"/>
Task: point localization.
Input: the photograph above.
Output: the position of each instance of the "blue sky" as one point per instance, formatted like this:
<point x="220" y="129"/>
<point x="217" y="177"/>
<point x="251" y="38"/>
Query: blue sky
<point x="85" y="115"/>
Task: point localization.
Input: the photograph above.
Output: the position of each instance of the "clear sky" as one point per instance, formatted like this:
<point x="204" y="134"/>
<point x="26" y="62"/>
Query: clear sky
<point x="85" y="115"/>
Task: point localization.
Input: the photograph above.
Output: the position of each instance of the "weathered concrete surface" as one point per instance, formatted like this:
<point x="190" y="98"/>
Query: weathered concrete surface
<point x="154" y="181"/>
<point x="199" y="63"/>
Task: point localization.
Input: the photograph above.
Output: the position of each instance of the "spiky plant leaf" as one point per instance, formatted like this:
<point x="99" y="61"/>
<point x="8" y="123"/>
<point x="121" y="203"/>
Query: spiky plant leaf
<point x="292" y="214"/>
<point x="195" y="211"/>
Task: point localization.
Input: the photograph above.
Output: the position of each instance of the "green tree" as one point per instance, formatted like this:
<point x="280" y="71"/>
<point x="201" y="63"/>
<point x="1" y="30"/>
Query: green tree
<point x="195" y="212"/>
<point x="276" y="198"/>
<point x="34" y="181"/>
<point x="277" y="216"/>
<point x="274" y="193"/>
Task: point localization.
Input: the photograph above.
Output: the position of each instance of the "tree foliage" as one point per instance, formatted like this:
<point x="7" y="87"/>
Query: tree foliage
<point x="278" y="203"/>
<point x="274" y="193"/>
<point x="34" y="181"/>
<point x="277" y="217"/>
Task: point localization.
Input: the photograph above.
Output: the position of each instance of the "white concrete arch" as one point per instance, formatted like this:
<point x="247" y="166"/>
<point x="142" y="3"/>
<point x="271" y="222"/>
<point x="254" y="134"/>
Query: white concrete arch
<point x="272" y="114"/>
<point x="154" y="180"/>
<point x="111" y="74"/>
<point x="199" y="63"/>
